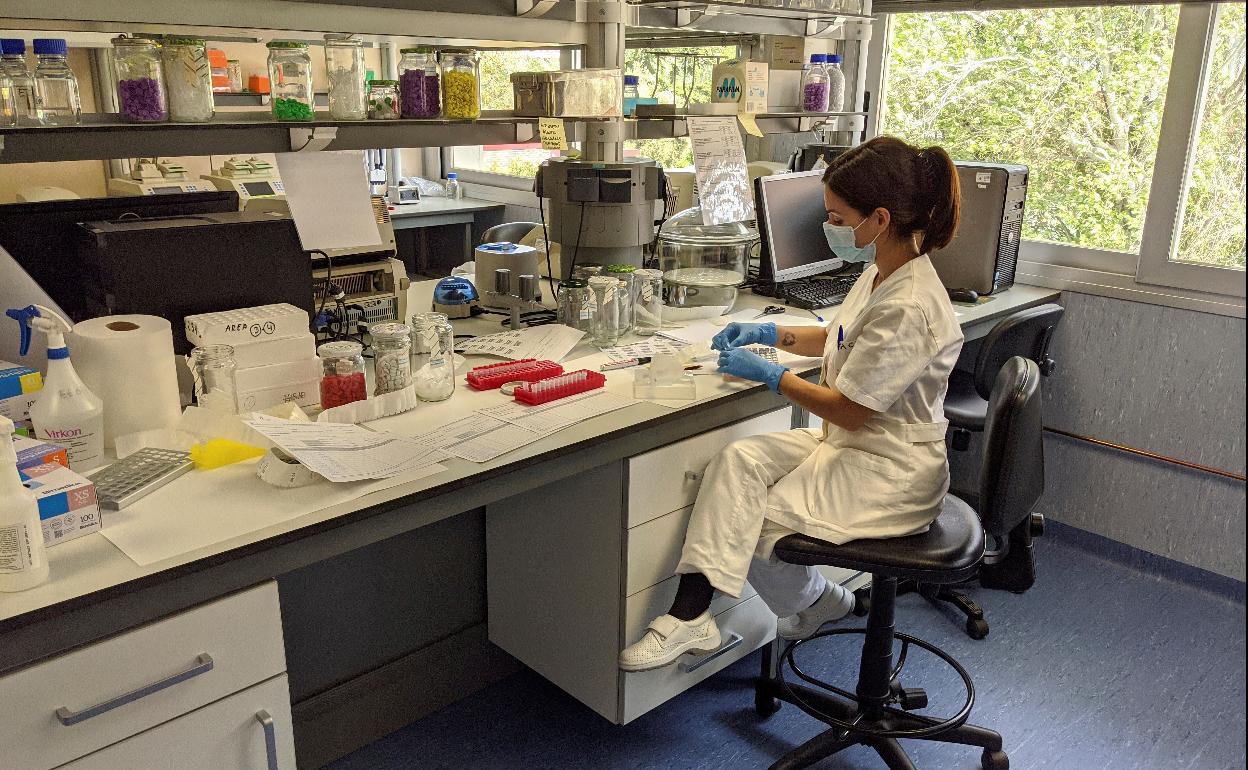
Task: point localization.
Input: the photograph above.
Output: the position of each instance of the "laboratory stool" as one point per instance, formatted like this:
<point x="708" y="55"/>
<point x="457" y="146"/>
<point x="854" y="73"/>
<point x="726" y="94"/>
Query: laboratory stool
<point x="877" y="713"/>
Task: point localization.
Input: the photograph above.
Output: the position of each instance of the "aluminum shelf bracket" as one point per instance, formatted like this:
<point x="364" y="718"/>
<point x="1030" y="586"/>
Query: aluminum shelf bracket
<point x="312" y="139"/>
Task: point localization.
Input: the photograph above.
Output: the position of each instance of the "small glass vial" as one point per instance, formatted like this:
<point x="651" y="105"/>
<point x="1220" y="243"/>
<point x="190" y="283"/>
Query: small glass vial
<point x="624" y="273"/>
<point x="188" y="78"/>
<point x="290" y="80"/>
<point x="344" y="66"/>
<point x="605" y="310"/>
<point x="13" y="66"/>
<point x="212" y="371"/>
<point x="574" y="301"/>
<point x="141" y="96"/>
<point x="433" y="356"/>
<point x="383" y="100"/>
<point x="420" y="83"/>
<point x="342" y="373"/>
<point x="647" y="302"/>
<point x="57" y="101"/>
<point x="392" y="357"/>
<point x="8" y="101"/>
<point x="234" y="73"/>
<point x="461" y="84"/>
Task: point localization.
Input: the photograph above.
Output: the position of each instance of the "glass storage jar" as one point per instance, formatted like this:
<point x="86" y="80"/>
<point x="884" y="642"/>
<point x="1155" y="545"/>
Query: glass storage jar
<point x="647" y="302"/>
<point x="684" y="241"/>
<point x="13" y="66"/>
<point x="346" y="71"/>
<point x="188" y="78"/>
<point x="624" y="273"/>
<point x="140" y="80"/>
<point x="290" y="80"/>
<point x="605" y="310"/>
<point x="383" y="100"/>
<point x="392" y="356"/>
<point x="420" y="83"/>
<point x="433" y="356"/>
<point x="234" y="72"/>
<point x="461" y="84"/>
<point x="574" y="299"/>
<point x="212" y="373"/>
<point x="342" y="373"/>
<point x="8" y="101"/>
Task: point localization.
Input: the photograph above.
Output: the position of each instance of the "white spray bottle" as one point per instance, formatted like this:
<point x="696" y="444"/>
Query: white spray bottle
<point x="23" y="557"/>
<point x="66" y="413"/>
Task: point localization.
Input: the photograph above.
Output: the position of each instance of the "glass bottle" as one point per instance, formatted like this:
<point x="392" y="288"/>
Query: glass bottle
<point x="647" y="302"/>
<point x="605" y="310"/>
<point x="57" y="101"/>
<point x="234" y="73"/>
<point x="574" y="300"/>
<point x="392" y="356"/>
<point x="836" y="83"/>
<point x="631" y="94"/>
<point x="8" y="101"/>
<point x="13" y="66"/>
<point x="815" y="85"/>
<point x="383" y="100"/>
<point x="342" y="373"/>
<point x="345" y="68"/>
<point x="420" y="83"/>
<point x="188" y="79"/>
<point x="461" y="84"/>
<point x="141" y="95"/>
<point x="433" y="356"/>
<point x="453" y="190"/>
<point x="212" y="371"/>
<point x="290" y="80"/>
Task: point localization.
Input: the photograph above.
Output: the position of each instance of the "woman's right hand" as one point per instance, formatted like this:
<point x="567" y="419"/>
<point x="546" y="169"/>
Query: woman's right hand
<point x="736" y="335"/>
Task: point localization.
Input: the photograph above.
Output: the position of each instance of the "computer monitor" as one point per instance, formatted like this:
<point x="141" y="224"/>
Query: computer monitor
<point x="790" y="223"/>
<point x="44" y="237"/>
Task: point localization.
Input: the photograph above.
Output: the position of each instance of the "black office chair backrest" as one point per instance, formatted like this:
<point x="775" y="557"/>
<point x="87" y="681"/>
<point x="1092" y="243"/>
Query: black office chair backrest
<point x="1012" y="471"/>
<point x="510" y="232"/>
<point x="1026" y="333"/>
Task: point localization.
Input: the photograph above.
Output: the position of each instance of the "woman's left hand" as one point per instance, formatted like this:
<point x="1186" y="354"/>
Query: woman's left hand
<point x="748" y="365"/>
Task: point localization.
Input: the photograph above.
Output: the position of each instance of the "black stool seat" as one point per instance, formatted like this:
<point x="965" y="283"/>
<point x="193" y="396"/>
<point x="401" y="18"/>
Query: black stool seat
<point x="964" y="407"/>
<point x="949" y="552"/>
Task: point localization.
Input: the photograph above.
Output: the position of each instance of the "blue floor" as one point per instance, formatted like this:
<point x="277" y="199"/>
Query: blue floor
<point x="1098" y="666"/>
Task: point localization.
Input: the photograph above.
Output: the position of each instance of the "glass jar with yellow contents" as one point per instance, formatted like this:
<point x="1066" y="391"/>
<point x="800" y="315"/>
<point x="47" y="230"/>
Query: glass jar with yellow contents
<point x="461" y="84"/>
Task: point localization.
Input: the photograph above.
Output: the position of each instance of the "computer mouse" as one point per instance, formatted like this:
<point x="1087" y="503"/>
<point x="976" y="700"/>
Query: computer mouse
<point x="963" y="295"/>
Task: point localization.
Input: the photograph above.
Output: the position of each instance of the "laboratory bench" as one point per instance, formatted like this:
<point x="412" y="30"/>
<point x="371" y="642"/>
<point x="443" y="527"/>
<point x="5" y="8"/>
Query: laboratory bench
<point x="441" y="226"/>
<point x="578" y="530"/>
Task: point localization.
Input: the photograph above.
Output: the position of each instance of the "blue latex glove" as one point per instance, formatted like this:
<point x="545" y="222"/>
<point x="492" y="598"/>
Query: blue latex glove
<point x="737" y="335"/>
<point x="748" y="365"/>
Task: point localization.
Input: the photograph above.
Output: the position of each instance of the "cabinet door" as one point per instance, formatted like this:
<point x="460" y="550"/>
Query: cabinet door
<point x="250" y="730"/>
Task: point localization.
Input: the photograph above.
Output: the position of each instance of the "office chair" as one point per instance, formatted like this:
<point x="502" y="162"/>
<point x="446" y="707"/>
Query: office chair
<point x="878" y="713"/>
<point x="511" y="232"/>
<point x="1026" y="333"/>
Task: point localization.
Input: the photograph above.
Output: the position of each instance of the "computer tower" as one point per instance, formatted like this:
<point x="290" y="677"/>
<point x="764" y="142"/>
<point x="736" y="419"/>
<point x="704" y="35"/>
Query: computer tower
<point x="984" y="254"/>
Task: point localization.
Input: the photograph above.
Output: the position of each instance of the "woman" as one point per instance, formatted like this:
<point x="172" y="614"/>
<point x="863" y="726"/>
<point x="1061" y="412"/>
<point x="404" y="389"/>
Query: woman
<point x="877" y="468"/>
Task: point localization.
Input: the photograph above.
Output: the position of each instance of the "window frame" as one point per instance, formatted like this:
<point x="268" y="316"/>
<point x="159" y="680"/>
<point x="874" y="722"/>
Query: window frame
<point x="1149" y="276"/>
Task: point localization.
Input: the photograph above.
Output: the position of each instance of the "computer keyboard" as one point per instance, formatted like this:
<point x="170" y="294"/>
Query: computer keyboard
<point x="812" y="295"/>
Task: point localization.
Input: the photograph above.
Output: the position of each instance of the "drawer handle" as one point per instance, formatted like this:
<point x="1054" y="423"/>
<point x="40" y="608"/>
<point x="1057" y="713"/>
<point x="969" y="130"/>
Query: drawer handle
<point x="734" y="641"/>
<point x="203" y="664"/>
<point x="270" y="737"/>
<point x="693" y="476"/>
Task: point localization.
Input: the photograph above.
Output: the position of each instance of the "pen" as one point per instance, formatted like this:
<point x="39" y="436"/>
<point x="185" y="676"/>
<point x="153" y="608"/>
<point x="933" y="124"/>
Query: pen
<point x="818" y="317"/>
<point x="624" y="363"/>
<point x="840" y="337"/>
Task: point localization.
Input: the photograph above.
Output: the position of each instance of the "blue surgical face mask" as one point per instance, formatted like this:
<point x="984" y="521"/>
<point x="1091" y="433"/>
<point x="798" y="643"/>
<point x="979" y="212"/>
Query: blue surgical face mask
<point x="841" y="241"/>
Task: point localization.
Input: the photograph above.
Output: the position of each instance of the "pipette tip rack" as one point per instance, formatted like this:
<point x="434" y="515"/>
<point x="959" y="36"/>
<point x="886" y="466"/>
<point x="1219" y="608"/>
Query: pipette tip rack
<point x="492" y="376"/>
<point x="560" y="386"/>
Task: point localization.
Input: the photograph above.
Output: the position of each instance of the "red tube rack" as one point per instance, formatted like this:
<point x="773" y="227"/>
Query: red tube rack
<point x="559" y="386"/>
<point x="492" y="376"/>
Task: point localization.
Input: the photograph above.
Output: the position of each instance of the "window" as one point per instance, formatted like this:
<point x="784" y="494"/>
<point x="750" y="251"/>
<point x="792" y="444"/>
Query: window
<point x="673" y="76"/>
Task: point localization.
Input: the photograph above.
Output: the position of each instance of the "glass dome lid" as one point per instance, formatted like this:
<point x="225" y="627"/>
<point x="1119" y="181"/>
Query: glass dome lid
<point x="687" y="227"/>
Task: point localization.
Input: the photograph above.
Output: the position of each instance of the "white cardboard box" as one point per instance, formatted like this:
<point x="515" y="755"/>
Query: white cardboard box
<point x="68" y="508"/>
<point x="248" y="324"/>
<point x="274" y="350"/>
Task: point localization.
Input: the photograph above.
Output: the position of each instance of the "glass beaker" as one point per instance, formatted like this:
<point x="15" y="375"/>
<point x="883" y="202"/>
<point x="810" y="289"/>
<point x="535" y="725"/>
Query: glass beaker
<point x="212" y="371"/>
<point x="342" y="373"/>
<point x="392" y="356"/>
<point x="624" y="273"/>
<point x="345" y="69"/>
<point x="290" y="80"/>
<point x="647" y="302"/>
<point x="188" y="77"/>
<point x="574" y="302"/>
<point x="605" y="311"/>
<point x="433" y="356"/>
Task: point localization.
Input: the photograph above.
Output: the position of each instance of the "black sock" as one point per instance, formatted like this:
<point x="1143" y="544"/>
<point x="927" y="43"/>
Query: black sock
<point x="693" y="596"/>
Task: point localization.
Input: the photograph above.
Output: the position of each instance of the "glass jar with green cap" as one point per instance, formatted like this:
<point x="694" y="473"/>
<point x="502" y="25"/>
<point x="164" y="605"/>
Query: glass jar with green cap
<point x="420" y="83"/>
<point x="345" y="70"/>
<point x="188" y="78"/>
<point x="383" y="100"/>
<point x="624" y="274"/>
<point x="461" y="83"/>
<point x="290" y="80"/>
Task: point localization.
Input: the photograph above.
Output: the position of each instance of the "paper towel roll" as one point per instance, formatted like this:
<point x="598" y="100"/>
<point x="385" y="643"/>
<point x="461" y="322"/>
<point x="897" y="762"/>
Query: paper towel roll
<point x="128" y="361"/>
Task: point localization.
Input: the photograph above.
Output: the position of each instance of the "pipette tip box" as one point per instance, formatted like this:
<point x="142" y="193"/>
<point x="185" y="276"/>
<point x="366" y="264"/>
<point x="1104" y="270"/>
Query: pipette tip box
<point x="68" y="508"/>
<point x="248" y="324"/>
<point x="493" y="376"/>
<point x="559" y="386"/>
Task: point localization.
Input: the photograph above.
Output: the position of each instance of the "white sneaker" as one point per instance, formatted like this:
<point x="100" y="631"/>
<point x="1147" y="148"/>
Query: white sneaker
<point x="834" y="603"/>
<point x="667" y="638"/>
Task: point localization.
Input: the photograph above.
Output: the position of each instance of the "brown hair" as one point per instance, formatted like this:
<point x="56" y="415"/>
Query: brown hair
<point x="918" y="187"/>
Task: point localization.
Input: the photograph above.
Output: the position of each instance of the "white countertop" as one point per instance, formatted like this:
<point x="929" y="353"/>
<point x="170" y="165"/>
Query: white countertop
<point x="431" y="206"/>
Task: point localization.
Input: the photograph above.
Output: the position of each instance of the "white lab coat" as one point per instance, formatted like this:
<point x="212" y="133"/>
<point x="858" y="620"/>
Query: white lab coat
<point x="892" y="350"/>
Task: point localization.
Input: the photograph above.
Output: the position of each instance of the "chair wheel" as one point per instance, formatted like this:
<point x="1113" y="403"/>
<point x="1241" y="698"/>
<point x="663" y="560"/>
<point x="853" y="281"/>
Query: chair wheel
<point x="976" y="628"/>
<point x="765" y="705"/>
<point x="994" y="760"/>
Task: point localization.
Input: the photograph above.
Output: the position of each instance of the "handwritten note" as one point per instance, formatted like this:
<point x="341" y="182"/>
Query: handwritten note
<point x="552" y="132"/>
<point x="750" y="124"/>
<point x="720" y="167"/>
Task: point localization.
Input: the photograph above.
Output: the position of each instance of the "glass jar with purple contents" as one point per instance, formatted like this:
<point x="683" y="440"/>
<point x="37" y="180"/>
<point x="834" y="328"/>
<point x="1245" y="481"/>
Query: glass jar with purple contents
<point x="141" y="96"/>
<point x="420" y="83"/>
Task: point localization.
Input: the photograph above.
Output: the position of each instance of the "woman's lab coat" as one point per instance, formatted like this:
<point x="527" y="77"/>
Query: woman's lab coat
<point x="891" y="350"/>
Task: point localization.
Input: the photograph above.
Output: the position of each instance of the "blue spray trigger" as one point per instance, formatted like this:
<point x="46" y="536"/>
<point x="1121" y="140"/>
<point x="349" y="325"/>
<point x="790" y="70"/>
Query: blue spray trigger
<point x="23" y="316"/>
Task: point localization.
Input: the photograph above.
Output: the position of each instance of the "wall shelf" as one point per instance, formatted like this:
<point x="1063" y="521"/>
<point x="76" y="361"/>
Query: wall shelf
<point x="768" y="123"/>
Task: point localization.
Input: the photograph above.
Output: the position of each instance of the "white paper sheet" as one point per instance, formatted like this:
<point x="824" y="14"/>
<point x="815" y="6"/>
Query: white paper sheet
<point x="649" y="347"/>
<point x="557" y="415"/>
<point x="346" y="452"/>
<point x="550" y="341"/>
<point x="478" y="438"/>
<point x="329" y="199"/>
<point x="704" y="330"/>
<point x="720" y="167"/>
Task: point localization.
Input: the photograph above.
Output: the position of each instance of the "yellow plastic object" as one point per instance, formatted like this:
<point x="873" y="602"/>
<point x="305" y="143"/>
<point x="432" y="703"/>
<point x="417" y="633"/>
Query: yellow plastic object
<point x="220" y="452"/>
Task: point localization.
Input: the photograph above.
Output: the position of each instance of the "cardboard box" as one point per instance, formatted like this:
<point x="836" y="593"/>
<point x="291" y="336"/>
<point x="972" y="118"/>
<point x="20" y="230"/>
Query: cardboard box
<point x="19" y="389"/>
<point x="33" y="451"/>
<point x="787" y="53"/>
<point x="741" y="82"/>
<point x="68" y="508"/>
<point x="248" y="324"/>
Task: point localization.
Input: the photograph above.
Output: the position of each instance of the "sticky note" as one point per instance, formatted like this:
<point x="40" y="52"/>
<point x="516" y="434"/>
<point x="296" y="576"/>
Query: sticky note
<point x="749" y="124"/>
<point x="552" y="133"/>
